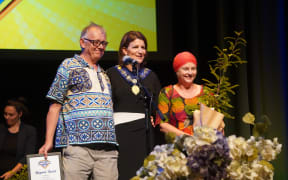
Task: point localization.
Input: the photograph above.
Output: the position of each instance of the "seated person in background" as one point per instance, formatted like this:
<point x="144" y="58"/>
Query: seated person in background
<point x="177" y="102"/>
<point x="17" y="139"/>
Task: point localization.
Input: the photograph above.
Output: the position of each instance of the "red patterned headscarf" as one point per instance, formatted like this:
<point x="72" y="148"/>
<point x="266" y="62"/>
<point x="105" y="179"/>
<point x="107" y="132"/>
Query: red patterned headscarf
<point x="183" y="58"/>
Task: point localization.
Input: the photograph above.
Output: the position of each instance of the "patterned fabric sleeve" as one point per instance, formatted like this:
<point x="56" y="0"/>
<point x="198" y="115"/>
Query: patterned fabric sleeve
<point x="59" y="86"/>
<point x="163" y="104"/>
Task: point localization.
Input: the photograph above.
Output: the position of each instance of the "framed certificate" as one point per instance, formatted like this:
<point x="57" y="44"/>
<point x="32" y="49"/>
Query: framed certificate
<point x="40" y="168"/>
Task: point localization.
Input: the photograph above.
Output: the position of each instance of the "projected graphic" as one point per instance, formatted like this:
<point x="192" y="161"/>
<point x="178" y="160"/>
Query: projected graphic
<point x="56" y="25"/>
<point x="7" y="6"/>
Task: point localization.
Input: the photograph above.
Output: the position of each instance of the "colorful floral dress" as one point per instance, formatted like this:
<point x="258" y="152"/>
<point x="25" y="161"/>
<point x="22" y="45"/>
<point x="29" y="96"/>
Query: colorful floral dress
<point x="177" y="111"/>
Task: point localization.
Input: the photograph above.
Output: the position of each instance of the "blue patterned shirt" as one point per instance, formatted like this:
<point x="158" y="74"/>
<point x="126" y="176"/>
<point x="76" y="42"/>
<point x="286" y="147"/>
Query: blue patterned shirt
<point x="85" y="95"/>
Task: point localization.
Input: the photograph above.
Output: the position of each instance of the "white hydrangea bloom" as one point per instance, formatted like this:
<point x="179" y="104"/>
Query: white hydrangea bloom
<point x="238" y="146"/>
<point x="204" y="135"/>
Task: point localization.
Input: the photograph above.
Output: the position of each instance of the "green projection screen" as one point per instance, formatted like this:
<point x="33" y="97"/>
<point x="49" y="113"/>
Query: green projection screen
<point x="57" y="24"/>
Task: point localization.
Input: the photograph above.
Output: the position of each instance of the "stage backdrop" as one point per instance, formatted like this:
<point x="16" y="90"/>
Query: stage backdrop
<point x="56" y="25"/>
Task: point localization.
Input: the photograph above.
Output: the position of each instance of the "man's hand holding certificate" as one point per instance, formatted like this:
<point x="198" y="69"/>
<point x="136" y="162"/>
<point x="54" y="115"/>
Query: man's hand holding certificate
<point x="40" y="168"/>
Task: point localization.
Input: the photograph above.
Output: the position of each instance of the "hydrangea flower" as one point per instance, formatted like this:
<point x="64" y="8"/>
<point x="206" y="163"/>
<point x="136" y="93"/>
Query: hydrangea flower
<point x="251" y="158"/>
<point x="164" y="162"/>
<point x="209" y="155"/>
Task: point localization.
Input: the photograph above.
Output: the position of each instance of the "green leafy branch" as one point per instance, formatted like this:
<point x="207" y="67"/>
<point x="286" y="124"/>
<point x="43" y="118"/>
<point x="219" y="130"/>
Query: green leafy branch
<point x="218" y="93"/>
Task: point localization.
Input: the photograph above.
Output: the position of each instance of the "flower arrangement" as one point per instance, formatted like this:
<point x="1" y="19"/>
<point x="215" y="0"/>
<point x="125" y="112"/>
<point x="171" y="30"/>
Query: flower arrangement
<point x="205" y="155"/>
<point x="209" y="155"/>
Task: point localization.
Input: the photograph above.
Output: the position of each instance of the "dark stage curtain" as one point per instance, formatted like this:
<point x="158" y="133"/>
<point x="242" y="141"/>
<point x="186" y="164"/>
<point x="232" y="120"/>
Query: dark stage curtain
<point x="199" y="25"/>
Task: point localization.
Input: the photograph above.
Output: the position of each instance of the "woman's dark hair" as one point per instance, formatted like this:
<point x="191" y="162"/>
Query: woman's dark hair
<point x="20" y="107"/>
<point x="126" y="40"/>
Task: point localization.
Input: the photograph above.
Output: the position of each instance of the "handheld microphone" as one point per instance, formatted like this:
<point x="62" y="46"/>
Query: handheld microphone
<point x="129" y="60"/>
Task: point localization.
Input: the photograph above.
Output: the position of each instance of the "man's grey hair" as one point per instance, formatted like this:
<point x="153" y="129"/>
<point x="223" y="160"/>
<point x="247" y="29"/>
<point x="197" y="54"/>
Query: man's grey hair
<point x="92" y="24"/>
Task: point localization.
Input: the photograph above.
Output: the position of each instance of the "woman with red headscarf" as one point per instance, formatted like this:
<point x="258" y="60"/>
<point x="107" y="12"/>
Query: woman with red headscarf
<point x="178" y="102"/>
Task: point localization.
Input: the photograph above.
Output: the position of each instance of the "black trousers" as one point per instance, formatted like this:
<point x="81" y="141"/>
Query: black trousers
<point x="133" y="144"/>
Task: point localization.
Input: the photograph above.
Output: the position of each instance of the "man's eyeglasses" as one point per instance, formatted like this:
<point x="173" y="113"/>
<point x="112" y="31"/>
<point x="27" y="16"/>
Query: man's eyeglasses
<point x="97" y="42"/>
